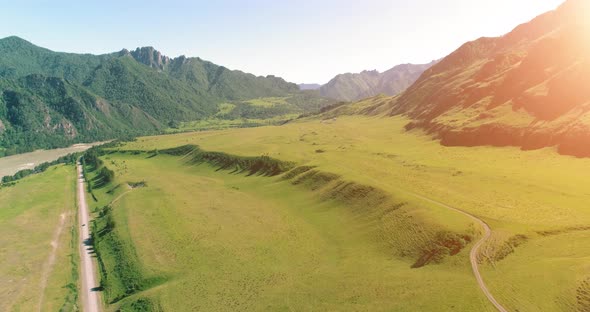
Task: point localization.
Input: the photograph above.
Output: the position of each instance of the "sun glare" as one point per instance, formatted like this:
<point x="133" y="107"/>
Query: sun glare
<point x="295" y="155"/>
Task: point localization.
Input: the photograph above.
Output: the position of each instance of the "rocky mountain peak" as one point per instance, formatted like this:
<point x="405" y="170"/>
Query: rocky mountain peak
<point x="150" y="57"/>
<point x="124" y="52"/>
<point x="373" y="72"/>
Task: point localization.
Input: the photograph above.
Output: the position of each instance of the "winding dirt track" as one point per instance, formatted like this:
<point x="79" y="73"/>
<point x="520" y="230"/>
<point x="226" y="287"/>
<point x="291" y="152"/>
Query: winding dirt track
<point x="89" y="294"/>
<point x="474" y="251"/>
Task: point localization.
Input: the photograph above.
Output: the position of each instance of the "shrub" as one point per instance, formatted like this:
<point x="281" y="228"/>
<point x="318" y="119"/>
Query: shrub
<point x="106" y="175"/>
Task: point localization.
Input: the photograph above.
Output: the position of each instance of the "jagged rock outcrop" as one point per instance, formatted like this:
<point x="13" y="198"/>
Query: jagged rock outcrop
<point x="151" y="57"/>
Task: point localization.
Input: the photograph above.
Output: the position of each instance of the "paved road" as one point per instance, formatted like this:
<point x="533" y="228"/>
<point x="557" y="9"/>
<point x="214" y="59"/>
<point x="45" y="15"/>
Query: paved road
<point x="90" y="301"/>
<point x="474" y="251"/>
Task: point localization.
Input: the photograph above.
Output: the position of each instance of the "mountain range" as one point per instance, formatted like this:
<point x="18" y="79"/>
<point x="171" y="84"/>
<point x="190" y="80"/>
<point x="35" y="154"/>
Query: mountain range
<point x="527" y="88"/>
<point x="309" y="86"/>
<point x="51" y="99"/>
<point x="356" y="86"/>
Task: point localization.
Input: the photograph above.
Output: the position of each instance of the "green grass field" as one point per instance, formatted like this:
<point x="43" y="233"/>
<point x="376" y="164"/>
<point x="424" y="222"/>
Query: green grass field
<point x="268" y="101"/>
<point x="201" y="238"/>
<point x="221" y="124"/>
<point x="38" y="266"/>
<point x="265" y="111"/>
<point x="535" y="202"/>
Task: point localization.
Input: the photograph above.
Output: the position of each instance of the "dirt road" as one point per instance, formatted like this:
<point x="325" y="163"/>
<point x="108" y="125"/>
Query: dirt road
<point x="474" y="251"/>
<point x="90" y="300"/>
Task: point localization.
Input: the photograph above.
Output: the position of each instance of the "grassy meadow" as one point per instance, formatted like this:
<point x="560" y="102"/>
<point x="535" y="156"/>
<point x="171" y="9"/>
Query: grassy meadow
<point x="263" y="111"/>
<point x="193" y="237"/>
<point x="534" y="201"/>
<point x="214" y="123"/>
<point x="38" y="242"/>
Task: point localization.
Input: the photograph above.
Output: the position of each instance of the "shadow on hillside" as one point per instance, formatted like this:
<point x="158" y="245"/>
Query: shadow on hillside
<point x="98" y="182"/>
<point x="90" y="168"/>
<point x="113" y="189"/>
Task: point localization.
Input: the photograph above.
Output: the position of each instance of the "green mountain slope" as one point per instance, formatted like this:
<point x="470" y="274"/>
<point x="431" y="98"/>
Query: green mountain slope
<point x="527" y="88"/>
<point x="352" y="87"/>
<point x="21" y="58"/>
<point x="40" y="111"/>
<point x="50" y="99"/>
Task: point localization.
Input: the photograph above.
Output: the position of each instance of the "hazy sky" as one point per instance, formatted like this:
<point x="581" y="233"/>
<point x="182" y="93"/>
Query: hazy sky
<point x="301" y="41"/>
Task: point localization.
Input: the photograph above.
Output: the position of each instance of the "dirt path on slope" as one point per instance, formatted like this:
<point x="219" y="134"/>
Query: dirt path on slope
<point x="48" y="267"/>
<point x="474" y="250"/>
<point x="121" y="196"/>
<point x="88" y="282"/>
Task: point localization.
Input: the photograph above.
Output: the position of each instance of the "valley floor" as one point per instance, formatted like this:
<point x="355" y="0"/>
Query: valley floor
<point x="198" y="238"/>
<point x="341" y="214"/>
<point x="38" y="262"/>
<point x="534" y="201"/>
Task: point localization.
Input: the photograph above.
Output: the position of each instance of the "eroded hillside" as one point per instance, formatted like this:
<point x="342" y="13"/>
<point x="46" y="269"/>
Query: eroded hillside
<point x="527" y="88"/>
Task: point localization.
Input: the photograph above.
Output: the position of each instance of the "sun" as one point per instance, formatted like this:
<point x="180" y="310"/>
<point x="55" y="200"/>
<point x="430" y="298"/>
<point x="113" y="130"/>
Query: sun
<point x="578" y="14"/>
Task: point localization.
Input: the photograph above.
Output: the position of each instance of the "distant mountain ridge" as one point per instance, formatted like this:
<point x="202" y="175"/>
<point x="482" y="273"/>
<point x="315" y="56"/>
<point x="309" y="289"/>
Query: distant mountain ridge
<point x="309" y="86"/>
<point x="528" y="88"/>
<point x="356" y="86"/>
<point x="51" y="99"/>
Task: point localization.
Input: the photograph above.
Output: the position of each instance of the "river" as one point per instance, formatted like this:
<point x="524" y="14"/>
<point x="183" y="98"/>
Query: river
<point x="12" y="164"/>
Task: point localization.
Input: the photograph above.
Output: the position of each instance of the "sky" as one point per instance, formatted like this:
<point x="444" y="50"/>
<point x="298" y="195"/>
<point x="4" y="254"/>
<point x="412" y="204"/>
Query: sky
<point x="305" y="41"/>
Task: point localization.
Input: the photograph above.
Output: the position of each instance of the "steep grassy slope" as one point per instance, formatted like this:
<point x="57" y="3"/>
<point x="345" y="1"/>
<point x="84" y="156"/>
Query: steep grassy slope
<point x="261" y="240"/>
<point x="353" y="87"/>
<point x="38" y="243"/>
<point x="527" y="88"/>
<point x="534" y="201"/>
<point x="50" y="99"/>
